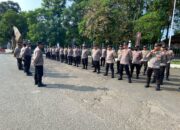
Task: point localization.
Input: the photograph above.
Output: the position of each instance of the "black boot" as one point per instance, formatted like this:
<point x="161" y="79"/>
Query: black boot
<point x="158" y="87"/>
<point x="147" y="83"/>
<point x="129" y="80"/>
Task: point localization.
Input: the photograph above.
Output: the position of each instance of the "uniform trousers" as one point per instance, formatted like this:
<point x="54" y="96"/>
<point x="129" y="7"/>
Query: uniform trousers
<point x="85" y="63"/>
<point x="38" y="74"/>
<point x="102" y="61"/>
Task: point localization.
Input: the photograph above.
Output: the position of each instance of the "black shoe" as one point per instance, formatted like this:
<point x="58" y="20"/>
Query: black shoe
<point x="112" y="76"/>
<point x="94" y="71"/>
<point x="35" y="83"/>
<point x="153" y="81"/>
<point x="146" y="86"/>
<point x="106" y="74"/>
<point x="41" y="85"/>
<point x="129" y="81"/>
<point x="158" y="89"/>
<point x="120" y="78"/>
<point x="29" y="74"/>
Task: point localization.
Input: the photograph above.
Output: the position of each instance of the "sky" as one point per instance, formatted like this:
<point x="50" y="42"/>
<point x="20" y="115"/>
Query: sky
<point x="27" y="5"/>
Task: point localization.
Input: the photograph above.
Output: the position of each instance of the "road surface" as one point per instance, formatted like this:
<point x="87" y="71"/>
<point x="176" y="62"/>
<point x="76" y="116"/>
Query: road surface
<point x="77" y="99"/>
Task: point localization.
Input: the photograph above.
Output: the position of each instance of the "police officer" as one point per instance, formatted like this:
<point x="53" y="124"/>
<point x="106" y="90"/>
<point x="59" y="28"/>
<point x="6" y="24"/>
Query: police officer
<point x="136" y="61"/>
<point x="75" y="56"/>
<point x="70" y="55"/>
<point x="154" y="65"/>
<point x="103" y="56"/>
<point x="38" y="63"/>
<point x="27" y="59"/>
<point x="17" y="55"/>
<point x="84" y="56"/>
<point x="144" y="59"/>
<point x="57" y="53"/>
<point x="65" y="55"/>
<point x="163" y="63"/>
<point x="170" y="56"/>
<point x="62" y="54"/>
<point x="110" y="57"/>
<point x="96" y="55"/>
<point x="126" y="56"/>
<point x="22" y="55"/>
<point x="119" y="58"/>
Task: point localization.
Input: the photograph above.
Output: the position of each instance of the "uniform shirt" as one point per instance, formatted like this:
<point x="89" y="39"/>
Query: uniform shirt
<point x="103" y="53"/>
<point x="38" y="57"/>
<point x="164" y="59"/>
<point x="96" y="55"/>
<point x="65" y="51"/>
<point x="17" y="52"/>
<point x="170" y="56"/>
<point x="61" y="51"/>
<point x="27" y="51"/>
<point x="119" y="54"/>
<point x="22" y="52"/>
<point x="70" y="52"/>
<point x="144" y="55"/>
<point x="57" y="50"/>
<point x="84" y="53"/>
<point x="110" y="56"/>
<point x="154" y="59"/>
<point x="75" y="52"/>
<point x="53" y="51"/>
<point x="136" y="57"/>
<point x="126" y="56"/>
<point x="78" y="52"/>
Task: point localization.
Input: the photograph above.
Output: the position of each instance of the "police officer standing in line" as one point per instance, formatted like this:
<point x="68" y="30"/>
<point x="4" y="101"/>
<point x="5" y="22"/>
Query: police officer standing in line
<point x="27" y="59"/>
<point x="65" y="55"/>
<point x="170" y="56"/>
<point x="136" y="61"/>
<point x="84" y="57"/>
<point x="163" y="63"/>
<point x="154" y="66"/>
<point x="119" y="58"/>
<point x="22" y="55"/>
<point x="126" y="56"/>
<point x="79" y="55"/>
<point x="17" y="55"/>
<point x="110" y="57"/>
<point x="103" y="56"/>
<point x="75" y="56"/>
<point x="96" y="59"/>
<point x="38" y="62"/>
<point x="70" y="55"/>
<point x="57" y="53"/>
<point x="144" y="59"/>
<point x="61" y="54"/>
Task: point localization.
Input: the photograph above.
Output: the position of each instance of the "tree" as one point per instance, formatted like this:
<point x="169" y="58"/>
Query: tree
<point x="8" y="20"/>
<point x="9" y="5"/>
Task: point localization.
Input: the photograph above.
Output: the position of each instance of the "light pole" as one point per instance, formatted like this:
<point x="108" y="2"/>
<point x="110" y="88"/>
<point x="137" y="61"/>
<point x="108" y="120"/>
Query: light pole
<point x="172" y="23"/>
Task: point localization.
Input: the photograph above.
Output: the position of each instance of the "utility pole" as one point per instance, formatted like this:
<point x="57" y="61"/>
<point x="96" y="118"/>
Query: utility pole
<point x="172" y="23"/>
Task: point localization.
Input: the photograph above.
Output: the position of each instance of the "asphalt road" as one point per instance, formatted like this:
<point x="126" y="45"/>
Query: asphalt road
<point x="76" y="99"/>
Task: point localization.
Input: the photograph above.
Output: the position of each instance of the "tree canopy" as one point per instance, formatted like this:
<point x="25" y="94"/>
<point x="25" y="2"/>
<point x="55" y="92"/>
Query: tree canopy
<point x="99" y="21"/>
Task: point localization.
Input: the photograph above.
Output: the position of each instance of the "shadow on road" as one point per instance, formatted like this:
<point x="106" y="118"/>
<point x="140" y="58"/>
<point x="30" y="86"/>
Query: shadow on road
<point x="76" y="88"/>
<point x="58" y="75"/>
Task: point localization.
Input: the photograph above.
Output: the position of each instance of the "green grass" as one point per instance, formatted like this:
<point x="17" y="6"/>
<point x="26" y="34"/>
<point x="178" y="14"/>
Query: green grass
<point x="177" y="62"/>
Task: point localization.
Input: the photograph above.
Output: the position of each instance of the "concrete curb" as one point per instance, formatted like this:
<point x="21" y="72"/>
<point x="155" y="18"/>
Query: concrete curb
<point x="175" y="66"/>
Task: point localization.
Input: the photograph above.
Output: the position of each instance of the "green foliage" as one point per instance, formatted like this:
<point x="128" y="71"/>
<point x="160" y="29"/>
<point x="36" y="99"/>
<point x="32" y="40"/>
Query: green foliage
<point x="8" y="20"/>
<point x="150" y="26"/>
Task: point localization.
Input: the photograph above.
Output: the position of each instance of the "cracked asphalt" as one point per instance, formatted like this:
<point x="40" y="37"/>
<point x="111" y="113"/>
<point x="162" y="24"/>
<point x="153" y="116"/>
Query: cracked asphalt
<point x="76" y="99"/>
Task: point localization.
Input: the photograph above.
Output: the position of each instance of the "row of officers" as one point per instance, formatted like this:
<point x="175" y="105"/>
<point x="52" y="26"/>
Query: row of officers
<point x="23" y="54"/>
<point x="155" y="62"/>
